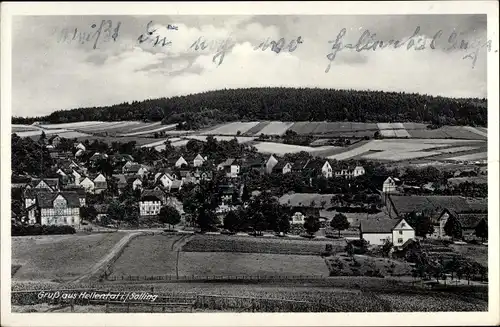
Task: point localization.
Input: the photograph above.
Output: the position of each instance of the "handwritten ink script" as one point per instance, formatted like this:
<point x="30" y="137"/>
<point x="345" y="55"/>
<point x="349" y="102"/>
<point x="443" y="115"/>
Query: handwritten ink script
<point x="368" y="41"/>
<point x="151" y="36"/>
<point x="103" y="32"/>
<point x="278" y="46"/>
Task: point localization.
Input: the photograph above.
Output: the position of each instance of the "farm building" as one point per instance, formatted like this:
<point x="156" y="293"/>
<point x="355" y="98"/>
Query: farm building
<point x="199" y="160"/>
<point x="136" y="169"/>
<point x="390" y="185"/>
<point x="79" y="191"/>
<point x="135" y="181"/>
<point x="164" y="179"/>
<point x="319" y="167"/>
<point x="377" y="232"/>
<point x="54" y="140"/>
<point x="282" y="167"/>
<point x="61" y="208"/>
<point x="80" y="146"/>
<point x="88" y="185"/>
<point x="298" y="165"/>
<point x="468" y="222"/>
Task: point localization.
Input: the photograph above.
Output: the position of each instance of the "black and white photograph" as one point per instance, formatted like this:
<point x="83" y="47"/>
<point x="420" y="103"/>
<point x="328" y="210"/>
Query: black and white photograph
<point x="250" y="163"/>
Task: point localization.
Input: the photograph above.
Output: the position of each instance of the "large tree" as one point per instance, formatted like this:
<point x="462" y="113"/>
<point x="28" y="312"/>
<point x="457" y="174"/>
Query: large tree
<point x="169" y="215"/>
<point x="231" y="221"/>
<point x="311" y="225"/>
<point x="452" y="228"/>
<point x="339" y="222"/>
<point x="482" y="230"/>
<point x="88" y="213"/>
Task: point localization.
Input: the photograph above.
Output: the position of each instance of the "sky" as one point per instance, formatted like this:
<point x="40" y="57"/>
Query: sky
<point x="54" y="68"/>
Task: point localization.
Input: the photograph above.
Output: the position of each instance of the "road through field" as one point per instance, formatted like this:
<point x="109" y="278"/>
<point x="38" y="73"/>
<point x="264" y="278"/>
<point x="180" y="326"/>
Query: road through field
<point x="115" y="250"/>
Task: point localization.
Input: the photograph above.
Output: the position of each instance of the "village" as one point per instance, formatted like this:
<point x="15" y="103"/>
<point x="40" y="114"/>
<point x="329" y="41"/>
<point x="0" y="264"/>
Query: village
<point x="87" y="188"/>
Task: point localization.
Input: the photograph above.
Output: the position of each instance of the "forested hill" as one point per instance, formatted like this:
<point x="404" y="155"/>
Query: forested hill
<point x="285" y="104"/>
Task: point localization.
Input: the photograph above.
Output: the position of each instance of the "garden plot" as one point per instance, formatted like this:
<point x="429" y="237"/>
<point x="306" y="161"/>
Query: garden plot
<point x="276" y="128"/>
<point x="39" y="132"/>
<point x="232" y="128"/>
<point x="148" y="131"/>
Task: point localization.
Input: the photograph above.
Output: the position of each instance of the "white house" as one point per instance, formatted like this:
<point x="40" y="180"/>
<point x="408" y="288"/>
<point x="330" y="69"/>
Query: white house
<point x="350" y="172"/>
<point x="150" y="203"/>
<point x="165" y="179"/>
<point x="77" y="177"/>
<point x="88" y="185"/>
<point x="79" y="152"/>
<point x="80" y="146"/>
<point x="60" y="172"/>
<point x="270" y="163"/>
<point x="287" y="168"/>
<point x="100" y="183"/>
<point x="231" y="167"/>
<point x="378" y="231"/>
<point x="198" y="160"/>
<point x="181" y="161"/>
<point x="389" y="185"/>
<point x="327" y="170"/>
<point x="298" y="219"/>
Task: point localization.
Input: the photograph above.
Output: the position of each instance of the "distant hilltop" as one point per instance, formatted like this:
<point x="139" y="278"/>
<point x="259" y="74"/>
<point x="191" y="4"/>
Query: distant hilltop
<point x="283" y="104"/>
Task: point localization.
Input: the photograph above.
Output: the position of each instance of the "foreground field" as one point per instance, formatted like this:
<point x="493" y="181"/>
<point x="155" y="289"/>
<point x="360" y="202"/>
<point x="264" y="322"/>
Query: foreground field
<point x="209" y="256"/>
<point x="59" y="257"/>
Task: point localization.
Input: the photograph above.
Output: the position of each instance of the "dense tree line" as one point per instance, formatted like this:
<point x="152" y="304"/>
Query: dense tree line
<point x="29" y="157"/>
<point x="287" y="104"/>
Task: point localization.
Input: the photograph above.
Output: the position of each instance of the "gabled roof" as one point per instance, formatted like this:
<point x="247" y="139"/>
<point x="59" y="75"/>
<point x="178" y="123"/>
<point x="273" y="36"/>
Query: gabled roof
<point x="280" y="165"/>
<point x="176" y="184"/>
<point x="46" y="200"/>
<point x="121" y="178"/>
<point x="79" y="190"/>
<point x="316" y="164"/>
<point x="51" y="182"/>
<point x="378" y="225"/>
<point x="32" y="192"/>
<point x="227" y="162"/>
<point x="300" y="164"/>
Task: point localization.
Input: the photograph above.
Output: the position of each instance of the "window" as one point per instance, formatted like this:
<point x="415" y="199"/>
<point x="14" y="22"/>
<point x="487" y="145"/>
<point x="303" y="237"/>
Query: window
<point x="403" y="225"/>
<point x="400" y="240"/>
<point x="400" y="232"/>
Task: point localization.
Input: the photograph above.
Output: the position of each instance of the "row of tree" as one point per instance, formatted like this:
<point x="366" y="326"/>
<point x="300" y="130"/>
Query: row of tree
<point x="286" y="104"/>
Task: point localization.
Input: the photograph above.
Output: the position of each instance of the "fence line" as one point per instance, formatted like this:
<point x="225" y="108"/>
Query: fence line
<point x="211" y="277"/>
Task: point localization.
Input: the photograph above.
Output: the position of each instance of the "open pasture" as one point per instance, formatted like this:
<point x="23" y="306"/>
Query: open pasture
<point x="72" y="134"/>
<point x="75" y="125"/>
<point x="59" y="257"/>
<point x="255" y="129"/>
<point x="16" y="128"/>
<point x="471" y="157"/>
<point x="203" y="138"/>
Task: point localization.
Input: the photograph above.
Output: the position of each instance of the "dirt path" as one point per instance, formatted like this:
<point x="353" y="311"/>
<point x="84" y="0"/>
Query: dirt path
<point x="112" y="255"/>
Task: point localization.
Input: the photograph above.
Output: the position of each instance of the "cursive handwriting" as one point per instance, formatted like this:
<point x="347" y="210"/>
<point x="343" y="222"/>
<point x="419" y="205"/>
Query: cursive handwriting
<point x="152" y="37"/>
<point x="368" y="41"/>
<point x="220" y="47"/>
<point x="105" y="32"/>
<point x="278" y="46"/>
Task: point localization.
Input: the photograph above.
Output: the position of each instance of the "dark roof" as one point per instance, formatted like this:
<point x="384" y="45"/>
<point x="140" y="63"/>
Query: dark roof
<point x="32" y="192"/>
<point x="152" y="194"/>
<point x="471" y="220"/>
<point x="100" y="184"/>
<point x="419" y="203"/>
<point x="228" y="162"/>
<point x="314" y="164"/>
<point x="45" y="200"/>
<point x="378" y="225"/>
<point x="52" y="182"/>
<point x="77" y="189"/>
<point x="176" y="184"/>
<point x="121" y="156"/>
<point x="299" y="164"/>
<point x="280" y="165"/>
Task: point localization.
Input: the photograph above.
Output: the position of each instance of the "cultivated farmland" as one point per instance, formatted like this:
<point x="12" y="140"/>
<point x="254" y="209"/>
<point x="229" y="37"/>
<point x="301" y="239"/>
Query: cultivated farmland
<point x="151" y="130"/>
<point x="59" y="257"/>
<point x="470" y="157"/>
<point x="232" y="128"/>
<point x="244" y="244"/>
<point x="275" y="128"/>
<point x="281" y="149"/>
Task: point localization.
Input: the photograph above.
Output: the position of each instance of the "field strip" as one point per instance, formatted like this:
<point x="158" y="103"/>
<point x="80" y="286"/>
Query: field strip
<point x="146" y="126"/>
<point x="150" y="145"/>
<point x="39" y="132"/>
<point x="473" y="156"/>
<point x="79" y="124"/>
<point x="151" y="130"/>
<point x="276" y="128"/>
<point x="104" y="127"/>
<point x="113" y="254"/>
<point x="476" y="131"/>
